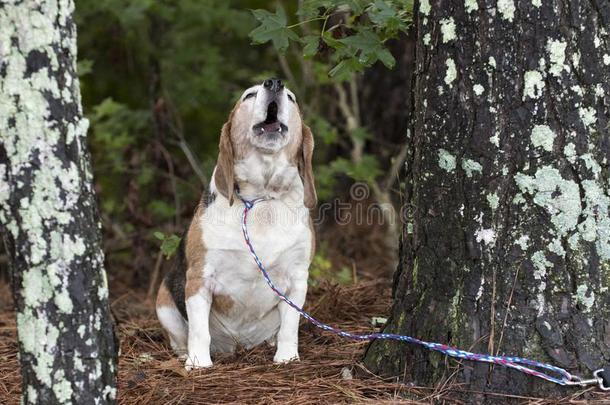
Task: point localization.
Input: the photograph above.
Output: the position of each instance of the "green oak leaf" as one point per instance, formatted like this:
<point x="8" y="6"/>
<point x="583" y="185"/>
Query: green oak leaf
<point x="273" y="28"/>
<point x="311" y="43"/>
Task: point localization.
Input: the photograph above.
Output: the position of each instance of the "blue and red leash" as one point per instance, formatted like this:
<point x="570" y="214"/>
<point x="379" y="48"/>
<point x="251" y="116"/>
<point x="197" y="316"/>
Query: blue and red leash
<point x="601" y="377"/>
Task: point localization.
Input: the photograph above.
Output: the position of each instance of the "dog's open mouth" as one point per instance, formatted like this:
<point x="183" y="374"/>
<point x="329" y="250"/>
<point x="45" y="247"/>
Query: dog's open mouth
<point x="271" y="125"/>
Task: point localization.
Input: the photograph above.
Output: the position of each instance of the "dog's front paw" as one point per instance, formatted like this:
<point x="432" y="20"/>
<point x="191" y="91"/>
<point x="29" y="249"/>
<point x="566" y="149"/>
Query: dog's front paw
<point x="194" y="362"/>
<point x="287" y="357"/>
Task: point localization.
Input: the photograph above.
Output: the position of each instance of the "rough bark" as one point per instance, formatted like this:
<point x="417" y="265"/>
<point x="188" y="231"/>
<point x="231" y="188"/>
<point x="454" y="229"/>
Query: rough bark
<point x="508" y="246"/>
<point x="48" y="211"/>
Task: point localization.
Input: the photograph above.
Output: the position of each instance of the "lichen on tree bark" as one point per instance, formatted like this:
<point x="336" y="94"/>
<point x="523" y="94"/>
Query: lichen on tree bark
<point x="510" y="244"/>
<point x="48" y="211"/>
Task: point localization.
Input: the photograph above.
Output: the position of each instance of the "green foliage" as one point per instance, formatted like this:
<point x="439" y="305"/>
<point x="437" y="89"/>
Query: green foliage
<point x="321" y="269"/>
<point x="325" y="181"/>
<point x="84" y="67"/>
<point x="152" y="72"/>
<point x="156" y="75"/>
<point x="338" y="39"/>
<point x="357" y="41"/>
<point x="169" y="243"/>
<point x="366" y="170"/>
<point x="324" y="130"/>
<point x="361" y="134"/>
<point x="115" y="127"/>
<point x="161" y="210"/>
<point x="273" y="28"/>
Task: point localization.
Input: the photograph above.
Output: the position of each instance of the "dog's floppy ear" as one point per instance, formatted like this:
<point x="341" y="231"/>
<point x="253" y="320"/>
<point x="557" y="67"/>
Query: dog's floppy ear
<point x="224" y="175"/>
<point x="304" y="157"/>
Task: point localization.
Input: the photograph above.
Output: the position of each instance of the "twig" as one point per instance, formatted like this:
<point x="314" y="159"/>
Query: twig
<point x="178" y="131"/>
<point x="352" y="123"/>
<point x="344" y="106"/>
<point x="394" y="170"/>
<point x="170" y="167"/>
<point x="116" y="228"/>
<point x="490" y="345"/>
<point x="510" y="298"/>
<point x="288" y="73"/>
<point x="155" y="276"/>
<point x="353" y="87"/>
<point x="193" y="161"/>
<point x="306" y="68"/>
<point x="305" y="22"/>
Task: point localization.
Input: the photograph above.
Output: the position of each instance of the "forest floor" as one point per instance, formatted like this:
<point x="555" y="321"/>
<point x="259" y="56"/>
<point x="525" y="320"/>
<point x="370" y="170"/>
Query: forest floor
<point x="329" y="371"/>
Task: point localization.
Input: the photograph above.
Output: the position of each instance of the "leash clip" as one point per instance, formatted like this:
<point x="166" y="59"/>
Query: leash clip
<point x="601" y="378"/>
<point x="250" y="203"/>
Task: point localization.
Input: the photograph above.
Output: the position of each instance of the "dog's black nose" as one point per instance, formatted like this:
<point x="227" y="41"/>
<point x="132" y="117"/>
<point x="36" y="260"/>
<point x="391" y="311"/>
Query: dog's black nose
<point x="273" y="84"/>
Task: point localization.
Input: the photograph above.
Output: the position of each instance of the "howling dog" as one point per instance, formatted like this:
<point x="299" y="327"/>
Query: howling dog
<point x="215" y="299"/>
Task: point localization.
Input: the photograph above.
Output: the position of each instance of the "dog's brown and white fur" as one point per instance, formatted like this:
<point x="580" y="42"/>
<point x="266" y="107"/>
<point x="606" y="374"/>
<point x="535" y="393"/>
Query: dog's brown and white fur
<point x="215" y="298"/>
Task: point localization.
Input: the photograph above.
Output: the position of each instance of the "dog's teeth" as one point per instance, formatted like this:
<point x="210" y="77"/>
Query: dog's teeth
<point x="262" y="129"/>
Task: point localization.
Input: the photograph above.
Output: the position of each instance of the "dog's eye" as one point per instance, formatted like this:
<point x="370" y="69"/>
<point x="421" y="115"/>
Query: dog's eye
<point x="250" y="95"/>
<point x="290" y="98"/>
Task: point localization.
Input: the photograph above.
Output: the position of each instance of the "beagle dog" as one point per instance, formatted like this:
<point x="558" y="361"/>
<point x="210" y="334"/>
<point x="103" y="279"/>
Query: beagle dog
<point x="215" y="299"/>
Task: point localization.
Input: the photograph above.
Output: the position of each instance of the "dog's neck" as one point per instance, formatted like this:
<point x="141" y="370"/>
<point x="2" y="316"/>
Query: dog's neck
<point x="270" y="176"/>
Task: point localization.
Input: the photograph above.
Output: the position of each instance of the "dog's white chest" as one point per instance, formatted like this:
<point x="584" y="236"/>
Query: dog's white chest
<point x="282" y="240"/>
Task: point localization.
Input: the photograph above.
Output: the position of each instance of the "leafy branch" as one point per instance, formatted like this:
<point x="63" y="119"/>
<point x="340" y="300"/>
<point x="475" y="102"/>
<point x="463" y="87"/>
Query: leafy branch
<point x="352" y="36"/>
<point x="169" y="243"/>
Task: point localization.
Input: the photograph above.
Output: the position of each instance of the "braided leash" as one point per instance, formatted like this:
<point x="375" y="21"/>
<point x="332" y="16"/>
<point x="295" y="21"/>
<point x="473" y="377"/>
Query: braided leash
<point x="601" y="377"/>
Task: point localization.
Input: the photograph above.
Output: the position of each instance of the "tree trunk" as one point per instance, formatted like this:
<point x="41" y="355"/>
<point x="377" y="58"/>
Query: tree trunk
<point x="507" y="249"/>
<point x="48" y="211"/>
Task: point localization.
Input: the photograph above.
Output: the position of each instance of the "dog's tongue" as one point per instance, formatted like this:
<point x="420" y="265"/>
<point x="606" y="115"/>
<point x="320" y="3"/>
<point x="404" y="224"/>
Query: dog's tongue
<point x="272" y="127"/>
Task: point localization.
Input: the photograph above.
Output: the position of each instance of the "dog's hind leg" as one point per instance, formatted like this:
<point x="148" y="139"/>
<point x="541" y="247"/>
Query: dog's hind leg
<point x="172" y="321"/>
